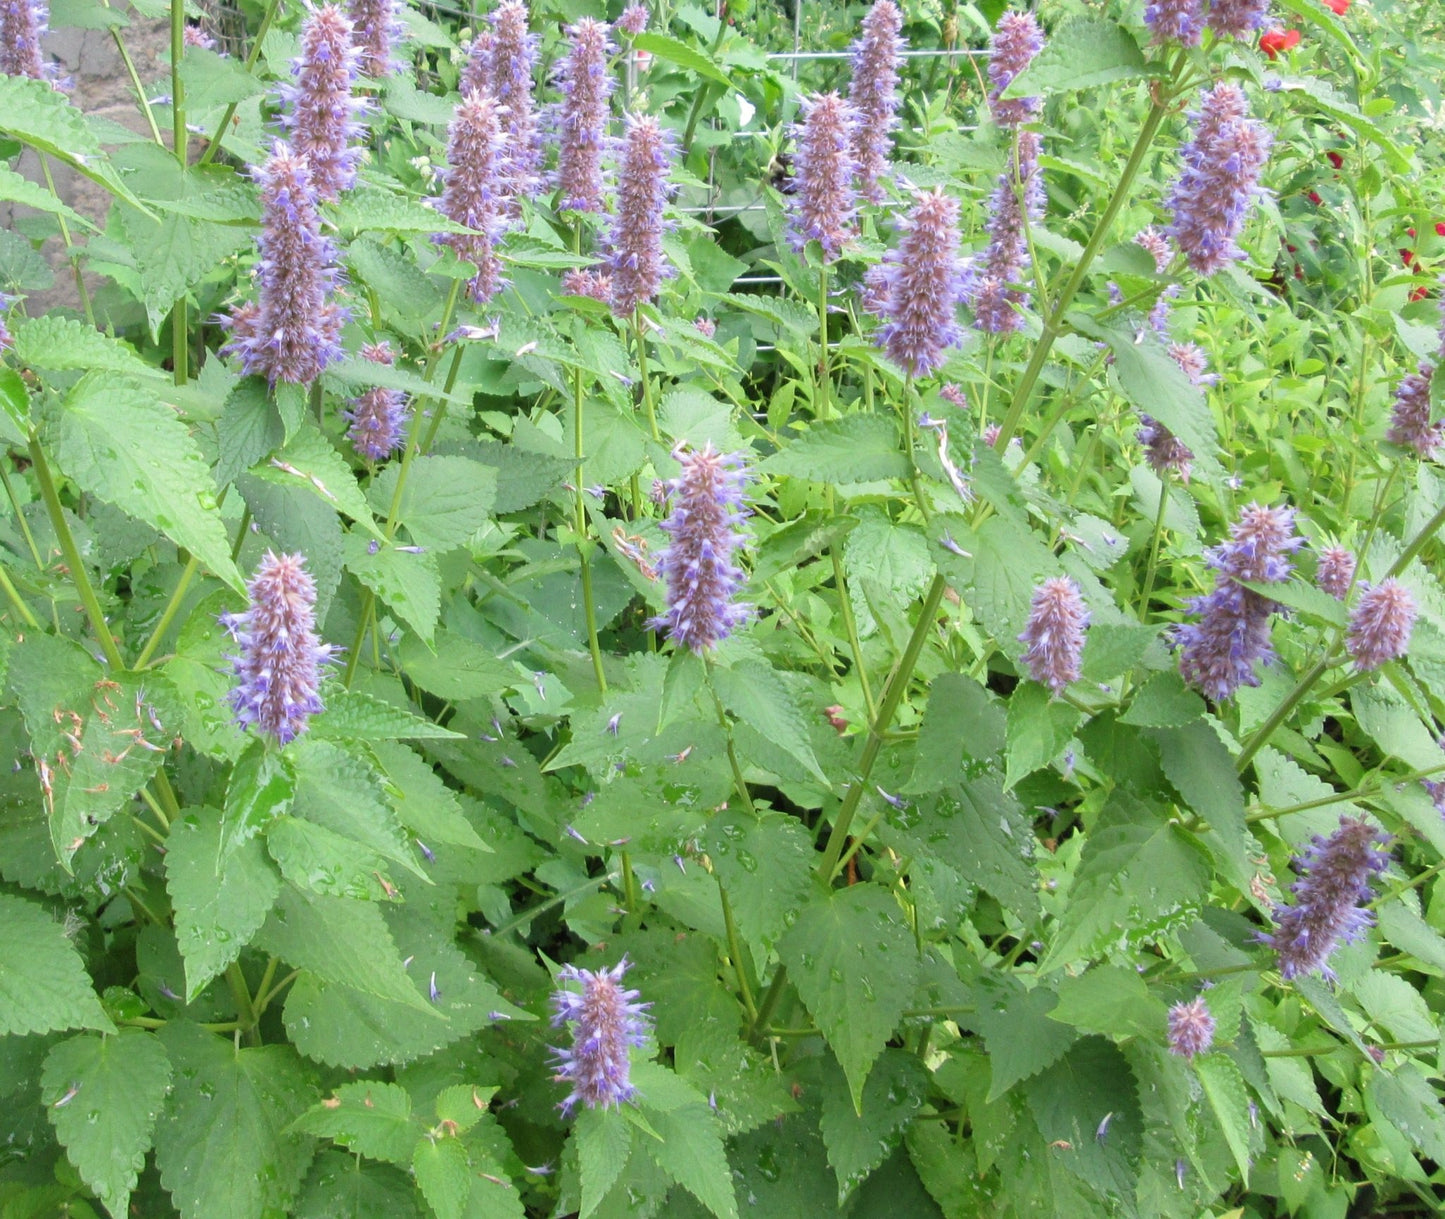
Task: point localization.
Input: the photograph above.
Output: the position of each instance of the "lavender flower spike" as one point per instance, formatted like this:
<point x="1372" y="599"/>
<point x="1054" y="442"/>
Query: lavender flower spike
<point x="823" y="199"/>
<point x="476" y="191"/>
<point x="698" y="562"/>
<point x="1018" y="195"/>
<point x="378" y="418"/>
<point x="1055" y="633"/>
<point x="376" y="31"/>
<point x="22" y="24"/>
<point x="1191" y="1028"/>
<point x="278" y="669"/>
<point x="608" y="1024"/>
<point x="585" y="84"/>
<point x="1410" y="425"/>
<point x="873" y="93"/>
<point x="1335" y="571"/>
<point x="477" y="71"/>
<point x="1337" y="875"/>
<point x="1176" y="21"/>
<point x="916" y="289"/>
<point x="1219" y="652"/>
<point x="1016" y="40"/>
<point x="1380" y="625"/>
<point x="293" y="330"/>
<point x="513" y="58"/>
<point x="1237" y="18"/>
<point x="635" y="243"/>
<point x="321" y="111"/>
<point x="634" y="19"/>
<point x="1212" y="195"/>
<point x="1163" y="450"/>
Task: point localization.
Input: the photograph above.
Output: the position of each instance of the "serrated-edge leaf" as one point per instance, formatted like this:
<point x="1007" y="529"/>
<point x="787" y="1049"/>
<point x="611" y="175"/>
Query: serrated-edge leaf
<point x="1224" y="1089"/>
<point x="352" y="715"/>
<point x="854" y="449"/>
<point x="43" y="983"/>
<point x="369" y="1117"/>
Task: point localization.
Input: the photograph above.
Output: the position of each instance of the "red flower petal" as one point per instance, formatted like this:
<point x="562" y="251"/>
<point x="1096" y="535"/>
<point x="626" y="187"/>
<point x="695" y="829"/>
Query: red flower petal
<point x="1275" y="41"/>
<point x="1338" y="7"/>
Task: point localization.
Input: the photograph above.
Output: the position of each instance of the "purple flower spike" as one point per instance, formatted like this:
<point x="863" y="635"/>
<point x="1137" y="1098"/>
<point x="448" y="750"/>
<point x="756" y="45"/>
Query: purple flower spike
<point x="293" y="330"/>
<point x="1219" y="652"/>
<point x="1191" y="1028"/>
<point x="995" y="302"/>
<point x="1212" y="195"/>
<point x="585" y="84"/>
<point x="477" y="191"/>
<point x="513" y="58"/>
<point x="608" y="1023"/>
<point x="1176" y="21"/>
<point x="1016" y="40"/>
<point x="7" y="340"/>
<point x="873" y="93"/>
<point x="1237" y="18"/>
<point x="916" y="289"/>
<point x="1055" y="633"/>
<point x="321" y="111"/>
<point x="477" y="71"/>
<point x="278" y="669"/>
<point x="633" y="20"/>
<point x="1337" y="875"/>
<point x="378" y="418"/>
<point x="22" y="25"/>
<point x="1335" y="571"/>
<point x="1194" y="361"/>
<point x="1381" y="624"/>
<point x="1410" y="425"/>
<point x="376" y="31"/>
<point x="1164" y="451"/>
<point x="823" y="197"/>
<point x="635" y="244"/>
<point x="698" y="562"/>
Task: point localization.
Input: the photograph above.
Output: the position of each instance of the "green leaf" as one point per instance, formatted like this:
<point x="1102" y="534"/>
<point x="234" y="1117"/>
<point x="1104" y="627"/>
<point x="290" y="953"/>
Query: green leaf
<point x="115" y="1086"/>
<point x="249" y="429"/>
<point x="1300" y="595"/>
<point x="1039" y="727"/>
<point x="370" y="1117"/>
<point x="1080" y="54"/>
<point x="174" y="253"/>
<point x="1405" y="1097"/>
<point x="1328" y="100"/>
<point x="341" y="941"/>
<point x="298" y="522"/>
<point x="221" y="1146"/>
<point x="980" y="831"/>
<point x="1224" y="1089"/>
<point x="1112" y="1001"/>
<point x="765" y="866"/>
<point x="262" y="787"/>
<point x="690" y="1151"/>
<point x="758" y="696"/>
<point x="342" y="1186"/>
<point x="351" y="715"/>
<point x="409" y="583"/>
<point x="853" y="962"/>
<point x="423" y="802"/>
<point x="683" y="56"/>
<point x="16" y="188"/>
<point x="523" y="478"/>
<point x="1201" y="770"/>
<point x="856" y="1143"/>
<point x="604" y="1143"/>
<point x="961" y="721"/>
<point x="211" y="80"/>
<point x="855" y="449"/>
<point x="59" y="343"/>
<point x="1139" y="873"/>
<point x="1016" y="1029"/>
<point x="1164" y="701"/>
<point x="445" y="501"/>
<point x="309" y="461"/>
<point x="887" y="563"/>
<point x="219" y="901"/>
<point x="115" y="439"/>
<point x="1395" y="1006"/>
<point x="444" y="1174"/>
<point x="14" y="408"/>
<point x="43" y="983"/>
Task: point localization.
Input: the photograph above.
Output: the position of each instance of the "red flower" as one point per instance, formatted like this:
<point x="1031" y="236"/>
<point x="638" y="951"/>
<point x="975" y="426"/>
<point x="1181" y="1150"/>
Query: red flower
<point x="1420" y="293"/>
<point x="1440" y="228"/>
<point x="1338" y="7"/>
<point x="1275" y="41"/>
<point x="1314" y="197"/>
<point x="1335" y="159"/>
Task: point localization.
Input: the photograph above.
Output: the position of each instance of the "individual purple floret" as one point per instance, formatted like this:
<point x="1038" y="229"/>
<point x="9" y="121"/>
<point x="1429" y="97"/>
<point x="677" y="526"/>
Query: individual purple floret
<point x="633" y="20"/>
<point x="1212" y="195"/>
<point x="376" y="29"/>
<point x="477" y="71"/>
<point x="698" y="562"/>
<point x="293" y="330"/>
<point x="278" y="668"/>
<point x="1237" y="18"/>
<point x="1435" y="789"/>
<point x="1381" y="623"/>
<point x="1019" y="194"/>
<point x="635" y="255"/>
<point x="1193" y="360"/>
<point x="916" y="288"/>
<point x="1337" y="875"/>
<point x="22" y="25"/>
<point x="476" y="191"/>
<point x="196" y="36"/>
<point x="1016" y="40"/>
<point x="378" y="418"/>
<point x="7" y="340"/>
<point x="582" y="118"/>
<point x="1163" y="451"/>
<point x="822" y="203"/>
<point x="1055" y="633"/>
<point x="1410" y="424"/>
<point x="1177" y="21"/>
<point x="1219" y="652"/>
<point x="320" y="108"/>
<point x="608" y="1023"/>
<point x="1191" y="1028"/>
<point x="1335" y="571"/>
<point x="873" y="93"/>
<point x="585" y="281"/>
<point x="513" y="58"/>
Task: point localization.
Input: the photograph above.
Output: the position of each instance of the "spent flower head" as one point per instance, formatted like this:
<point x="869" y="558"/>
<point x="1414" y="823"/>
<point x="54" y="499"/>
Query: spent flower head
<point x="1163" y="451"/>
<point x="321" y="110"/>
<point x="1055" y="633"/>
<point x="607" y="1023"/>
<point x="916" y="289"/>
<point x="873" y="93"/>
<point x="1380" y="624"/>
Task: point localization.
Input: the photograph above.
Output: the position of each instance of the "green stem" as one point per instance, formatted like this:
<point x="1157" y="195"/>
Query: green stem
<point x="642" y="374"/>
<point x="735" y="950"/>
<point x="213" y="145"/>
<point x="178" y="93"/>
<point x="20" y="607"/>
<point x="180" y="341"/>
<point x="892" y="696"/>
<point x="68" y="242"/>
<point x="1421" y="540"/>
<point x="1148" y="590"/>
<point x="909" y="444"/>
<point x="1291" y="700"/>
<point x="135" y="82"/>
<point x="245" y="1009"/>
<point x="542" y="907"/>
<point x="155" y="807"/>
<point x="768" y="1005"/>
<point x="1363" y="792"/>
<point x="20" y="519"/>
<point x="71" y="552"/>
